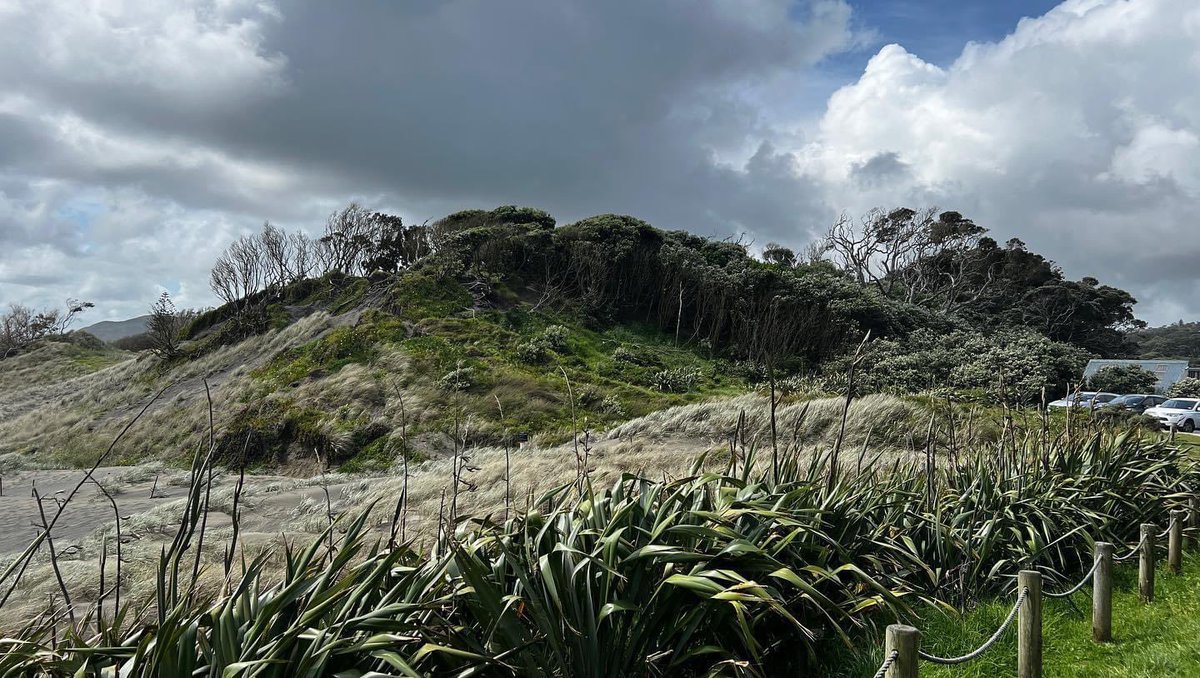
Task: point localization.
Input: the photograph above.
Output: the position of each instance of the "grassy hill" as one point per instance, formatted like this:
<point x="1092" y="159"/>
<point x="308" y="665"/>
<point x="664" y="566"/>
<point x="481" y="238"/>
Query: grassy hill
<point x="355" y="378"/>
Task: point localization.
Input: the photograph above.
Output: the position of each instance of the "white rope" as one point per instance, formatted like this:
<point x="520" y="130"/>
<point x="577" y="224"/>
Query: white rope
<point x="1136" y="549"/>
<point x="949" y="661"/>
<point x="1075" y="589"/>
<point x="887" y="664"/>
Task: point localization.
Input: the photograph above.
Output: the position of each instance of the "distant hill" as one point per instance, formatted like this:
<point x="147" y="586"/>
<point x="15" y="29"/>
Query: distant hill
<point x="1180" y="341"/>
<point x="111" y="330"/>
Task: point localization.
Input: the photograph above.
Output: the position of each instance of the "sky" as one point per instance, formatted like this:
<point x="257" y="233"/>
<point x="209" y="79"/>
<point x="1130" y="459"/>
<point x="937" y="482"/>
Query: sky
<point x="138" y="138"/>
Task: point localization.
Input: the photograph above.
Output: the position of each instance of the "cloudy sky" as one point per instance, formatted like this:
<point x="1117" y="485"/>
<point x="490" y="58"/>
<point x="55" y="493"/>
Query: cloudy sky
<point x="137" y="138"/>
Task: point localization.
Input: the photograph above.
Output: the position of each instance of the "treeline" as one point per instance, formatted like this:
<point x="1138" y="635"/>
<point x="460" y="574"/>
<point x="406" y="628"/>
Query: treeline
<point x="922" y="283"/>
<point x="1178" y="341"/>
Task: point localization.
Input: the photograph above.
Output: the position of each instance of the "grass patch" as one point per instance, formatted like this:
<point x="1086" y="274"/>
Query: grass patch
<point x="1149" y="640"/>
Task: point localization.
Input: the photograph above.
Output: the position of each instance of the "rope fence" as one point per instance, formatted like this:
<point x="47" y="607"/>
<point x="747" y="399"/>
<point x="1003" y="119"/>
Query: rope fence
<point x="1078" y="587"/>
<point x="978" y="652"/>
<point x="902" y="643"/>
<point x="1136" y="550"/>
<point x="887" y="664"/>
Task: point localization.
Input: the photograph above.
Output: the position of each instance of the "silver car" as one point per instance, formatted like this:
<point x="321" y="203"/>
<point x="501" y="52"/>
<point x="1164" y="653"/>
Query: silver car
<point x="1084" y="399"/>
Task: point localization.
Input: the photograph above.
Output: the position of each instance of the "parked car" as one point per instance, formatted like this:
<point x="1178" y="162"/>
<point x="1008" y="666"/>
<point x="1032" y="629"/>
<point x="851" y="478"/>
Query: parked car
<point x="1084" y="399"/>
<point x="1183" y="413"/>
<point x="1138" y="402"/>
<point x="1070" y="399"/>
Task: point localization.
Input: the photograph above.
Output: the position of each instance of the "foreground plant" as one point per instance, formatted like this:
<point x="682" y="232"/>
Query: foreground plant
<point x="730" y="573"/>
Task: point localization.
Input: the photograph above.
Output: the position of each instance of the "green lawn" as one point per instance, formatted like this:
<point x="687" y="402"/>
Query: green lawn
<point x="1157" y="640"/>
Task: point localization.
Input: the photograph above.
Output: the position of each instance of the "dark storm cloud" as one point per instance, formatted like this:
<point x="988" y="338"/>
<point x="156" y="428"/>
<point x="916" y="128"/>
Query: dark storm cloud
<point x="212" y="116"/>
<point x="576" y="106"/>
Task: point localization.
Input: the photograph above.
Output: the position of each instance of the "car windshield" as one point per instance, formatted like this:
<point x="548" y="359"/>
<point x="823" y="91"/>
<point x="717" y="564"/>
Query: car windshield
<point x="1103" y="398"/>
<point x="1179" y="404"/>
<point x="1126" y="400"/>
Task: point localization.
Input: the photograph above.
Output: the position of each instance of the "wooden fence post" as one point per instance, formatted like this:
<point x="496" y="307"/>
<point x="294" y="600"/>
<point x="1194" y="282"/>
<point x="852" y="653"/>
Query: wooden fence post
<point x="1102" y="593"/>
<point x="1175" y="542"/>
<point x="904" y="641"/>
<point x="1146" y="565"/>
<point x="1029" y="625"/>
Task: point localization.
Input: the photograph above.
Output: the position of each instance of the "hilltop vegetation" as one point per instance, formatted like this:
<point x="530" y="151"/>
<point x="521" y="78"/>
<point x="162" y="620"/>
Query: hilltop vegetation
<point x="381" y="339"/>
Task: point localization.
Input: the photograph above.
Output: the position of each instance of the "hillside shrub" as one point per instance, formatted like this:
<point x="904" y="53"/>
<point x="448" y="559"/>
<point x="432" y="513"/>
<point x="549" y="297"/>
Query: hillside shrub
<point x="85" y="340"/>
<point x="533" y="352"/>
<point x="555" y="337"/>
<point x="612" y="406"/>
<point x="136" y="342"/>
<point x="676" y="380"/>
<point x="459" y="379"/>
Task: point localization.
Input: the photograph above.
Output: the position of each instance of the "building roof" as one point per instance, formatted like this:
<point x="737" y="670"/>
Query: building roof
<point x="1168" y="371"/>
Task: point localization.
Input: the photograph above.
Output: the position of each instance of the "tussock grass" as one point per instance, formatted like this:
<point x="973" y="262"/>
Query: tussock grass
<point x="806" y="422"/>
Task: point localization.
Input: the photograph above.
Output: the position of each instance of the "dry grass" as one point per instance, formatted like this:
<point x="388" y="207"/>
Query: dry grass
<point x="275" y="508"/>
<point x="68" y="421"/>
<point x="812" y="422"/>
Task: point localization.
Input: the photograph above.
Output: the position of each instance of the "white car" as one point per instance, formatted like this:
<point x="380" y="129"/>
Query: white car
<point x="1183" y="413"/>
<point x="1085" y="399"/>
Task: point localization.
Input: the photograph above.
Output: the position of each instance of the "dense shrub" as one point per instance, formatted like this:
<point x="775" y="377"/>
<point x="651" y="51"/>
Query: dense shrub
<point x="84" y="340"/>
<point x="533" y="352"/>
<point x="1188" y="387"/>
<point x="611" y="405"/>
<point x="137" y="342"/>
<point x="1016" y="365"/>
<point x="1122" y="379"/>
<point x="555" y="337"/>
<point x="624" y="354"/>
<point x="675" y="380"/>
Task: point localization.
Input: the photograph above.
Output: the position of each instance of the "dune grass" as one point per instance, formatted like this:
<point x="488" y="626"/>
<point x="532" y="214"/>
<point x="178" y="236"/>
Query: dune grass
<point x="1155" y="640"/>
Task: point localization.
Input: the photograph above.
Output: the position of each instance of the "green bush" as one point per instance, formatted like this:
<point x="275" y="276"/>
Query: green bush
<point x="533" y="352"/>
<point x="555" y="337"/>
<point x="630" y="356"/>
<point x="677" y="380"/>
<point x="459" y="379"/>
<point x="611" y="405"/>
<point x="1013" y="365"/>
<point x="1188" y="387"/>
<point x="1122" y="379"/>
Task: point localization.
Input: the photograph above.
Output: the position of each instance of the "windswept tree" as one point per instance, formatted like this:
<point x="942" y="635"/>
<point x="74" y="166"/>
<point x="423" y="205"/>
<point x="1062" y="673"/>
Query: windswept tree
<point x="164" y="329"/>
<point x="21" y="326"/>
<point x="946" y="263"/>
<point x="777" y="254"/>
<point x="273" y="245"/>
<point x="349" y="236"/>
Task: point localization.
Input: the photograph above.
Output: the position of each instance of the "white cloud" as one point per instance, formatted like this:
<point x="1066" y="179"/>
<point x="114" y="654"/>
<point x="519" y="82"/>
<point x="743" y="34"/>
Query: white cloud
<point x="205" y="53"/>
<point x="1078" y="133"/>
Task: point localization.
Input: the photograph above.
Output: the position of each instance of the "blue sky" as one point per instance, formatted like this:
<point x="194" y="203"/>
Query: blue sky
<point x="935" y="30"/>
